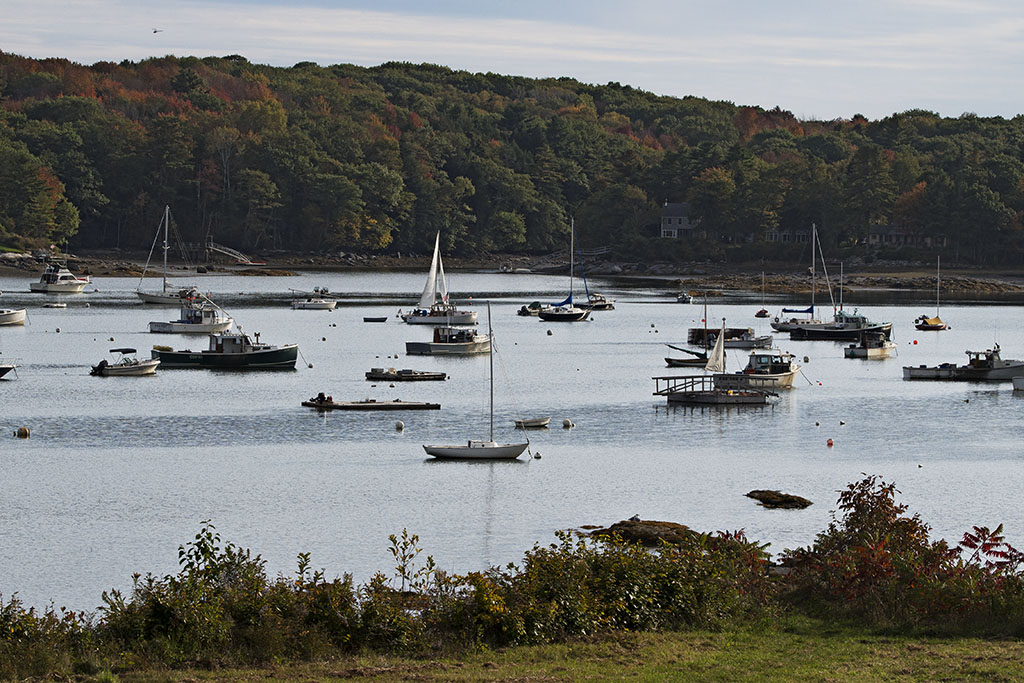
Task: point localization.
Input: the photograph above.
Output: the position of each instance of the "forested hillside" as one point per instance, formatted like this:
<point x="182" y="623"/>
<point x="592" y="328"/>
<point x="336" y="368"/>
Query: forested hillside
<point x="311" y="158"/>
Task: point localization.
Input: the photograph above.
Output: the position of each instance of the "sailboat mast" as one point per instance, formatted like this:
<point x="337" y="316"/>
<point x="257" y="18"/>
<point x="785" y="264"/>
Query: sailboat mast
<point x="490" y="339"/>
<point x="938" y="263"/>
<point x="814" y="257"/>
<point x="572" y="252"/>
<point x="167" y="220"/>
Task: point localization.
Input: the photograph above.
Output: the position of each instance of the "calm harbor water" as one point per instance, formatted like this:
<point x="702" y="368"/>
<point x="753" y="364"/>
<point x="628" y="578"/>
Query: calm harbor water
<point x="119" y="472"/>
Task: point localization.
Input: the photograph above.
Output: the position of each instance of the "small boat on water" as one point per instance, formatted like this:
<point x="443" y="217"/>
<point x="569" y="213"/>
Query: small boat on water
<point x="375" y="319"/>
<point x="481" y="450"/>
<point x="684" y="298"/>
<point x="749" y="340"/>
<point x="404" y="375"/>
<point x="932" y="324"/>
<point x="169" y="295"/>
<point x="12" y="316"/>
<point x="772" y="368"/>
<point x="323" y="403"/>
<point x="533" y="423"/>
<point x="844" y="327"/>
<point x="6" y="366"/>
<point x="317" y="293"/>
<point x="448" y="341"/>
<point x="870" y="345"/>
<point x="57" y="279"/>
<point x="236" y="351"/>
<point x="565" y="311"/>
<point x="763" y="312"/>
<point x="314" y="304"/>
<point x="598" y="302"/>
<point x="982" y="366"/>
<point x="697" y="359"/>
<point x="196" y="317"/>
<point x="531" y="309"/>
<point x="127" y="365"/>
<point x="434" y="308"/>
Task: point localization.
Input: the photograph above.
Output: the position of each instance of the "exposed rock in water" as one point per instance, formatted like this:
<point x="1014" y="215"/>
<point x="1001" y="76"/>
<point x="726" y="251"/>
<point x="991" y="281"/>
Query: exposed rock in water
<point x="777" y="499"/>
<point x="648" y="533"/>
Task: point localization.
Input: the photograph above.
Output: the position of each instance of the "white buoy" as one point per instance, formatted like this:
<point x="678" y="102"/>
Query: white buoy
<point x="399" y="426"/>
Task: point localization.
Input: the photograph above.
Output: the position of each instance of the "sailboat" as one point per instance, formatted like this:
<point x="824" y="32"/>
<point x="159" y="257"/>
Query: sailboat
<point x="168" y="295"/>
<point x="924" y="322"/>
<point x="434" y="307"/>
<point x="795" y="323"/>
<point x="697" y="358"/>
<point x="763" y="313"/>
<point x="565" y="311"/>
<point x="481" y="450"/>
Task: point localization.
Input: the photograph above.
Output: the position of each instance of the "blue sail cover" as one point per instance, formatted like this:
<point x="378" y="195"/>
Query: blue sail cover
<point x="567" y="302"/>
<point x="809" y="309"/>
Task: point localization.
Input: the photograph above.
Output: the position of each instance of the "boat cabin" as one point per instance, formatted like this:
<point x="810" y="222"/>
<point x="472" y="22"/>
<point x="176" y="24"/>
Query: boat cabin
<point x="454" y="335"/>
<point x="57" y="273"/>
<point x="984" y="359"/>
<point x="770" y="362"/>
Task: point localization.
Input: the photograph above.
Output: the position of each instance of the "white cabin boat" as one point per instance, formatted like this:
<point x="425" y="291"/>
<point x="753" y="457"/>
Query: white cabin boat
<point x="314" y="304"/>
<point x="982" y="366"/>
<point x="169" y="295"/>
<point x="197" y="317"/>
<point x="874" y="346"/>
<point x="451" y="341"/>
<point x="770" y="368"/>
<point x="57" y="279"/>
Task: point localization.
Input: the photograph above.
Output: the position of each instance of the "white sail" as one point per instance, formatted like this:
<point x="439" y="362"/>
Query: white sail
<point x="442" y="282"/>
<point x="430" y="288"/>
<point x="716" y="360"/>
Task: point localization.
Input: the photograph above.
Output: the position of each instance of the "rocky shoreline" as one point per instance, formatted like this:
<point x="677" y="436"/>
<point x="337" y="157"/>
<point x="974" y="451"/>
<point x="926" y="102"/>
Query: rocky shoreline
<point x="692" y="277"/>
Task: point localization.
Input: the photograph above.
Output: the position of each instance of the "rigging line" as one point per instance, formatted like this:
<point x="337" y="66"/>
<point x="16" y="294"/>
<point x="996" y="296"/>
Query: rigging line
<point x="149" y="258"/>
<point x="828" y="282"/>
<point x="512" y="393"/>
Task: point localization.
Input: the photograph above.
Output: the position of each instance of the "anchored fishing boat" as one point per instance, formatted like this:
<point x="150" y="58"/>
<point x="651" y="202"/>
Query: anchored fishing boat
<point x="982" y="366"/>
<point x="449" y="341"/>
<point x="57" y="279"/>
<point x="236" y="351"/>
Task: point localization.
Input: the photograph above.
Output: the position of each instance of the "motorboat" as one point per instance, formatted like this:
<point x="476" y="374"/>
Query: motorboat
<point x="684" y="298"/>
<point x="197" y="317"/>
<point x="434" y="308"/>
<point x="403" y="375"/>
<point x="598" y="302"/>
<point x="531" y="309"/>
<point x="314" y="304"/>
<point x="236" y="351"/>
<point x="317" y="293"/>
<point x="870" y="345"/>
<point x="126" y="365"/>
<point x="12" y="316"/>
<point x="748" y="340"/>
<point x="169" y="295"/>
<point x="982" y="366"/>
<point x="57" y="279"/>
<point x="451" y="341"/>
<point x="481" y="450"/>
<point x="844" y="327"/>
<point x="769" y="368"/>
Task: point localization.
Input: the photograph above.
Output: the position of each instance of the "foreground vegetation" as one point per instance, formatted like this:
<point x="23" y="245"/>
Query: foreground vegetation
<point x="873" y="589"/>
<point x="380" y="159"/>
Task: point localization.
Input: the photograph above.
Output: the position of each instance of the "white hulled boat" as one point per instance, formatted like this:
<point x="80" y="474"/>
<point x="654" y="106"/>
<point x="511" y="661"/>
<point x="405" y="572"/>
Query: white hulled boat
<point x="481" y="450"/>
<point x="434" y="308"/>
<point x="127" y="365"/>
<point x="12" y="316"/>
<point x="197" y="317"/>
<point x="169" y="295"/>
<point x="57" y="279"/>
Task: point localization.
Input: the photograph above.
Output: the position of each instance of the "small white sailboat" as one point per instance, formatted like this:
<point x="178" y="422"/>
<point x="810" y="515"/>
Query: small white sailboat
<point x="791" y="324"/>
<point x="168" y="295"/>
<point x="434" y="307"/>
<point x="481" y="450"/>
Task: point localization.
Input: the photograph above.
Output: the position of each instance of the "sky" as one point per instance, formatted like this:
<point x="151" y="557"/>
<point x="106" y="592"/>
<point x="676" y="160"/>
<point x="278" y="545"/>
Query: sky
<point x="820" y="60"/>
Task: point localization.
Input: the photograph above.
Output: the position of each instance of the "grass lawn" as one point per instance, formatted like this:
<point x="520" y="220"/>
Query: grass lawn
<point x="798" y="649"/>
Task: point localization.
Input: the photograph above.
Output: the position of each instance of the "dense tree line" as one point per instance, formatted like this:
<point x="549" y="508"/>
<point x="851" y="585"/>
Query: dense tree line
<point x="311" y="158"/>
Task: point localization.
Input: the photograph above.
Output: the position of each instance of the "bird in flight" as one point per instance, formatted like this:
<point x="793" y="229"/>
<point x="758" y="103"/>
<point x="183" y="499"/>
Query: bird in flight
<point x="158" y="30"/>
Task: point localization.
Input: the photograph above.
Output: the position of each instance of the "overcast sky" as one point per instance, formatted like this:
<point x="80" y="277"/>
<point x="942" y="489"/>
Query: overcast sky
<point x="821" y="59"/>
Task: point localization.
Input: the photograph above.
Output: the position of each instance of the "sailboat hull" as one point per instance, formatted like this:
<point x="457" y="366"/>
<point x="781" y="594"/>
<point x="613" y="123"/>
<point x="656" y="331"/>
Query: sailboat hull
<point x="440" y="318"/>
<point x="567" y="315"/>
<point x="478" y="450"/>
